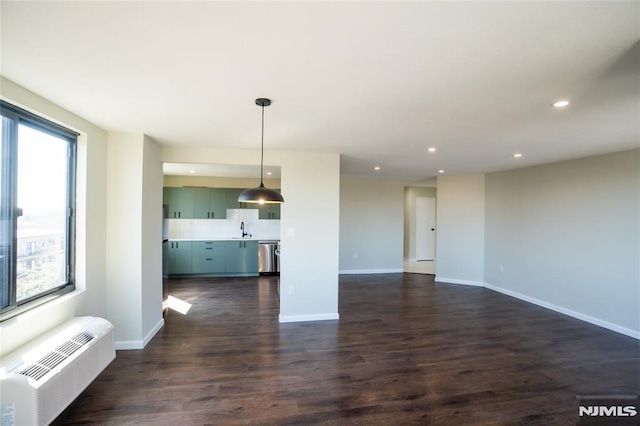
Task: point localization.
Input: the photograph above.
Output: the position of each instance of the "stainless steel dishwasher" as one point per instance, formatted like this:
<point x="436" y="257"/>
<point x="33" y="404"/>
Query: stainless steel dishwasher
<point x="268" y="259"/>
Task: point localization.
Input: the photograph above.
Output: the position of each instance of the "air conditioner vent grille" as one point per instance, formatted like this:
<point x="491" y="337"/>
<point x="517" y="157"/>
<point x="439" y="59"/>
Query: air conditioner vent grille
<point x="54" y="358"/>
<point x="82" y="338"/>
<point x="35" y="371"/>
<point x="68" y="347"/>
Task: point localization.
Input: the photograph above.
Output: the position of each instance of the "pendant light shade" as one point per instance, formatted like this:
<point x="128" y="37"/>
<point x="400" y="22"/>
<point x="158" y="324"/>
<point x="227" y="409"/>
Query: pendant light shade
<point x="261" y="194"/>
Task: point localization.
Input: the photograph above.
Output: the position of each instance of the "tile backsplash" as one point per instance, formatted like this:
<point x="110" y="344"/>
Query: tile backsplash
<point x="225" y="228"/>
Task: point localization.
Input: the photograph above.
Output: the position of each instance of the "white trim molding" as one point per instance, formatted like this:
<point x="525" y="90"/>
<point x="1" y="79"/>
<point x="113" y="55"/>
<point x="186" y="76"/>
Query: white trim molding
<point x="305" y="318"/>
<point x="457" y="281"/>
<point x="596" y="321"/>
<point x="370" y="271"/>
<point x="139" y="344"/>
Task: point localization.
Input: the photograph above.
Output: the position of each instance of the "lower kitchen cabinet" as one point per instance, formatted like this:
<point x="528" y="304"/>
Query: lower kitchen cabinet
<point x="218" y="258"/>
<point x="208" y="257"/>
<point x="179" y="257"/>
<point x="242" y="257"/>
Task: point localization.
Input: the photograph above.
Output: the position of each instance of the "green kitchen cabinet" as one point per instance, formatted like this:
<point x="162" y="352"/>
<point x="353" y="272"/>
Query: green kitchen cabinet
<point x="241" y="257"/>
<point x="170" y="198"/>
<point x="179" y="257"/>
<point x="232" y="198"/>
<point x="208" y="257"/>
<point x="209" y="203"/>
<point x="269" y="210"/>
<point x="180" y="202"/>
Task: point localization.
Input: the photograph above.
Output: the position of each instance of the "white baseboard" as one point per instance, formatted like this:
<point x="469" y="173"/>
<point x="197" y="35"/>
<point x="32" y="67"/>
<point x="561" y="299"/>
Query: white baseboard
<point x="457" y="281"/>
<point x="370" y="271"/>
<point x="304" y="318"/>
<point x="127" y="345"/>
<point x="139" y="344"/>
<point x="605" y="324"/>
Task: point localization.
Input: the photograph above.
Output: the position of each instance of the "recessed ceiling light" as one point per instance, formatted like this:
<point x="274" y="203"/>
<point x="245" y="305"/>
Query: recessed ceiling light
<point x="561" y="104"/>
<point x="440" y="171"/>
<point x="518" y="155"/>
<point x="268" y="173"/>
<point x="376" y="168"/>
<point x="192" y="171"/>
<point x="431" y="149"/>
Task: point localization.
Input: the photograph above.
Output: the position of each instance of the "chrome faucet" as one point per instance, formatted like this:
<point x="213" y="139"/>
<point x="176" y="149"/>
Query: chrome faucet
<point x="244" y="234"/>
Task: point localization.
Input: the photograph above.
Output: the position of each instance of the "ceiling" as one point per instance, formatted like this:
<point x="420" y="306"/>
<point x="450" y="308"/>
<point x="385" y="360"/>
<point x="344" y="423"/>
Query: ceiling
<point x="377" y="82"/>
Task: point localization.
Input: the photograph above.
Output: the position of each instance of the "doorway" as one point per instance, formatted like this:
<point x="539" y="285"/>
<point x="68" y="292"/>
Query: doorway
<point x="420" y="229"/>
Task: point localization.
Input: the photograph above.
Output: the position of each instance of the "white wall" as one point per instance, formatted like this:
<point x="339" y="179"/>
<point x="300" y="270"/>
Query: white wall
<point x="309" y="223"/>
<point x="90" y="294"/>
<point x="567" y="236"/>
<point x="309" y="260"/>
<point x="460" y="236"/>
<point x="410" y="195"/>
<point x="134" y="238"/>
<point x="371" y="225"/>
<point x="151" y="240"/>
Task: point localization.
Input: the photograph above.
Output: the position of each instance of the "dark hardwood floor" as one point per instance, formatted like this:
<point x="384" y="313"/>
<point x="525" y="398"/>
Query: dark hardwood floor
<point x="405" y="351"/>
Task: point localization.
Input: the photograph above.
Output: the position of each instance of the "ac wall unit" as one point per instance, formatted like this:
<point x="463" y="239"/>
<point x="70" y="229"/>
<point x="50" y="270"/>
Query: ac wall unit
<point x="39" y="380"/>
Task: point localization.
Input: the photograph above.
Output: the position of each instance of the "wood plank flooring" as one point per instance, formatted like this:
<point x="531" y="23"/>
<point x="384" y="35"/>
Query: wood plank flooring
<point x="405" y="351"/>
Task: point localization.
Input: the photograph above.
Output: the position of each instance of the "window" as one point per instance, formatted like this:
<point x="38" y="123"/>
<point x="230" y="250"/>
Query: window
<point x="37" y="204"/>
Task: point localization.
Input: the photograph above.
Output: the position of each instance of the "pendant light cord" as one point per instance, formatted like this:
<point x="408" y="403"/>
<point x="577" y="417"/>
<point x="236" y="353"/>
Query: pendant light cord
<point x="262" y="148"/>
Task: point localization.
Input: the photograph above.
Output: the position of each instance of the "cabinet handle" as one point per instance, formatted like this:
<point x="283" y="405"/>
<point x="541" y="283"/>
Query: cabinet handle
<point x="208" y="258"/>
<point x="178" y="214"/>
<point x="208" y="248"/>
<point x="213" y="215"/>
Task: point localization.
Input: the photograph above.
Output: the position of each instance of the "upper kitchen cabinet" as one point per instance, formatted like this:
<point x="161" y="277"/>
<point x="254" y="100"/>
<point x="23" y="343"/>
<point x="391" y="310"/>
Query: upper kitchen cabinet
<point x="210" y="203"/>
<point x="180" y="202"/>
<point x="269" y="211"/>
<point x="232" y="199"/>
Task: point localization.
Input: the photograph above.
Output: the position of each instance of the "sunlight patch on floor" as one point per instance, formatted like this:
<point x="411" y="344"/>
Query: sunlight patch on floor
<point x="178" y="305"/>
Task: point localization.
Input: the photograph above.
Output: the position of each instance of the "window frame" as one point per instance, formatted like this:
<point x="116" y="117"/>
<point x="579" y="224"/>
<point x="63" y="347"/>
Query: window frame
<point x="16" y="116"/>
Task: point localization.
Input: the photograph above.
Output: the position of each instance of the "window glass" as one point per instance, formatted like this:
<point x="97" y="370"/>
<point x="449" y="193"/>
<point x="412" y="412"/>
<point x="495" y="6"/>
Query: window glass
<point x="5" y="219"/>
<point x="37" y="187"/>
<point x="42" y="198"/>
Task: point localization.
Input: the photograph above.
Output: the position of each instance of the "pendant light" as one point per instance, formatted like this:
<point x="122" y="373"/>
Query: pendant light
<point x="261" y="194"/>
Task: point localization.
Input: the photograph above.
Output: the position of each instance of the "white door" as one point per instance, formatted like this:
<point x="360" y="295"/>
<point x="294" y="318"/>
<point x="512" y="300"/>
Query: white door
<point x="425" y="228"/>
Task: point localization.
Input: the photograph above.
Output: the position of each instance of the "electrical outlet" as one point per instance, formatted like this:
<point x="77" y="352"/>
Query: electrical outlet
<point x="355" y="255"/>
<point x="292" y="289"/>
<point x="501" y="268"/>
